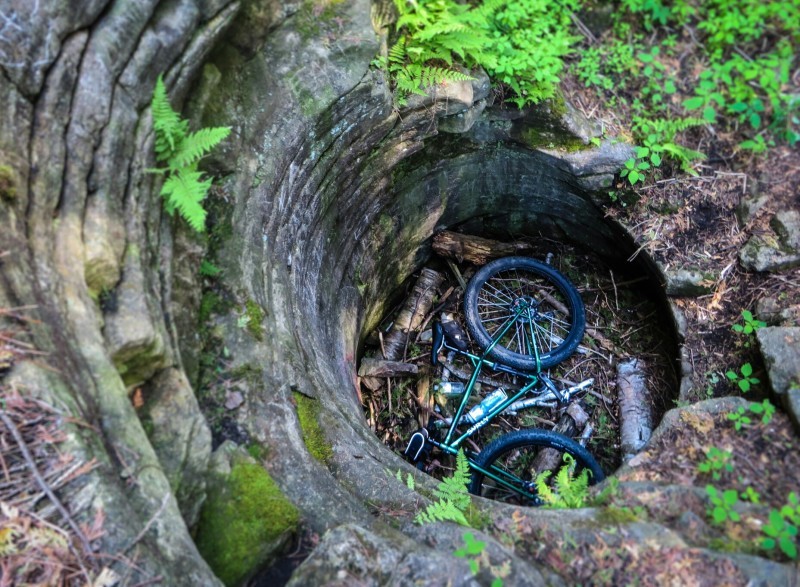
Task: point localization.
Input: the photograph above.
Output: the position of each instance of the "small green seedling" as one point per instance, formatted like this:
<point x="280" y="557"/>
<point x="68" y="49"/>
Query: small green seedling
<point x="765" y="409"/>
<point x="782" y="528"/>
<point x="716" y="462"/>
<point x="474" y="552"/>
<point x="722" y="504"/>
<point x="472" y="549"/>
<point x="739" y="419"/>
<point x="751" y="495"/>
<point x="745" y="381"/>
<point x="749" y="324"/>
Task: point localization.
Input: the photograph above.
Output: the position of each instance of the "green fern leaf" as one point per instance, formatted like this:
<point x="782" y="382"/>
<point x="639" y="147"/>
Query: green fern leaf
<point x="197" y="144"/>
<point x="184" y="191"/>
<point x="397" y="54"/>
<point x="170" y="129"/>
<point x="453" y="498"/>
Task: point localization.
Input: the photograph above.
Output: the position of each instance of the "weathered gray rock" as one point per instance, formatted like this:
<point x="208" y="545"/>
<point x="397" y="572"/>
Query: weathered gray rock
<point x="463" y="121"/>
<point x="777" y="251"/>
<point x="771" y="311"/>
<point x="351" y="555"/>
<point x="780" y="348"/>
<point x="180" y="436"/>
<point x="595" y="168"/>
<point x="688" y="282"/>
<point x="136" y="342"/>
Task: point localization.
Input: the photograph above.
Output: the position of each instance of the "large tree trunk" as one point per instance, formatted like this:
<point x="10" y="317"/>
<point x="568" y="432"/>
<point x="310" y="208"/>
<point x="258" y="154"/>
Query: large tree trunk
<point x="80" y="220"/>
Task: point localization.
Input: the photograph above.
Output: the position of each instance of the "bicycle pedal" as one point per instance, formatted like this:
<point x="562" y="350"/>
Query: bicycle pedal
<point x="417" y="445"/>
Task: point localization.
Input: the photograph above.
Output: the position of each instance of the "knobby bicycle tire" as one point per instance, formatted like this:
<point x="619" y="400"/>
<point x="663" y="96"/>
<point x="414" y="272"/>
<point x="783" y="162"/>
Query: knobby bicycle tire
<point x="522" y="455"/>
<point x="554" y="321"/>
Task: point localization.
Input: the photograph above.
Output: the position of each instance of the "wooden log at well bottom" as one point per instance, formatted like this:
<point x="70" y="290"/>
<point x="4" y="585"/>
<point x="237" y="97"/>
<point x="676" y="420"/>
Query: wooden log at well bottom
<point x="572" y="420"/>
<point x="412" y="314"/>
<point x="475" y="249"/>
<point x="635" y="417"/>
<point x="379" y="368"/>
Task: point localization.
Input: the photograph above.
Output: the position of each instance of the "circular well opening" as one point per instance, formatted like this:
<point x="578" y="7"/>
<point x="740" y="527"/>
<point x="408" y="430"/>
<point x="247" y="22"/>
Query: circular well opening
<point x="514" y="195"/>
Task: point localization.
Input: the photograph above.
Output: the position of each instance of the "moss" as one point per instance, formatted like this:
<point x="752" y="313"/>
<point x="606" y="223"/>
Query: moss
<point x="612" y="515"/>
<point x="538" y="138"/>
<point x="209" y="304"/>
<point x="308" y="414"/>
<point x="255" y="316"/>
<point x="241" y="522"/>
<point x="8" y="183"/>
<point x="318" y="16"/>
<point x="258" y="451"/>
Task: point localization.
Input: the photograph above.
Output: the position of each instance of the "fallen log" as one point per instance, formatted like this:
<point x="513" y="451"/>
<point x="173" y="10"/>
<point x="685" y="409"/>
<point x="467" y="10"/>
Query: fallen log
<point x="475" y="249"/>
<point x="635" y="418"/>
<point x="380" y="368"/>
<point x="412" y="315"/>
<point x="572" y="420"/>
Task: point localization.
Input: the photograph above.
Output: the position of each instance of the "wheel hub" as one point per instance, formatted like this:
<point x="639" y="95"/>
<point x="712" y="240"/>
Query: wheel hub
<point x="528" y="307"/>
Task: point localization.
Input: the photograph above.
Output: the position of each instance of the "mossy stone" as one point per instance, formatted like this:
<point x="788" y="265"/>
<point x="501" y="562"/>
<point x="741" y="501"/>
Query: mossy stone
<point x="245" y="521"/>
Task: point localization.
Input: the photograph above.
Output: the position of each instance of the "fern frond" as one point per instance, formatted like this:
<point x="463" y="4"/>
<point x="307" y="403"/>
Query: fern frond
<point x="453" y="498"/>
<point x="454" y="489"/>
<point x="197" y="144"/>
<point x="433" y="76"/>
<point x="184" y="191"/>
<point x="442" y="29"/>
<point x="441" y="511"/>
<point x="397" y="54"/>
<point x="169" y="127"/>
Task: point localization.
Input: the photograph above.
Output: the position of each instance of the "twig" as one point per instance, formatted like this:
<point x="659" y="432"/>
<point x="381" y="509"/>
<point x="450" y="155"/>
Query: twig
<point x="41" y="482"/>
<point x="457" y="273"/>
<point x="149" y="523"/>
<point x="583" y="28"/>
<point x="616" y="295"/>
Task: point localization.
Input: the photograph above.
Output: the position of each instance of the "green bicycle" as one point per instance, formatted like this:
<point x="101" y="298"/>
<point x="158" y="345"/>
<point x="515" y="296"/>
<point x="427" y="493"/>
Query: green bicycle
<point x="526" y="317"/>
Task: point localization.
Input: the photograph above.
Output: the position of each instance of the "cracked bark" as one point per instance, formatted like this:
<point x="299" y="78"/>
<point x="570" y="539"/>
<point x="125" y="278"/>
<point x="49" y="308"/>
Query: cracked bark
<point x="76" y="132"/>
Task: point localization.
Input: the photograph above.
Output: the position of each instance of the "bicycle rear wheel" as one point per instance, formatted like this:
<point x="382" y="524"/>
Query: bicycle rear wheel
<point x="519" y="457"/>
<point x="552" y="318"/>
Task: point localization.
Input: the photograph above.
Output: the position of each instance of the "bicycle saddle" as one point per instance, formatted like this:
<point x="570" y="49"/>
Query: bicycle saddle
<point x="450" y="330"/>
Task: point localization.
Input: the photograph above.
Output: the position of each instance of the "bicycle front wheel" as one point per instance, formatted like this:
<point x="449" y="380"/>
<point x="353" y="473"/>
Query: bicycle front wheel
<point x="514" y="461"/>
<point x="550" y="318"/>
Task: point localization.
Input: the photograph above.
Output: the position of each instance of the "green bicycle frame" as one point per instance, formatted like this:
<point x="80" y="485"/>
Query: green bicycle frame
<point x="451" y="443"/>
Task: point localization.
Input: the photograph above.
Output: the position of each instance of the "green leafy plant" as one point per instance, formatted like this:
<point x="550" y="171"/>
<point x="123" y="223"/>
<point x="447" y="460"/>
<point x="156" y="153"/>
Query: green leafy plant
<point x="744" y="379"/>
<point x="765" y="409"/>
<point x="568" y="491"/>
<point x="751" y="495"/>
<point x="452" y="497"/>
<point x="716" y="462"/>
<point x="707" y="98"/>
<point x="739" y="418"/>
<point x="520" y="44"/>
<point x="412" y="77"/>
<point x="749" y="324"/>
<point x="782" y="528"/>
<point x="184" y="186"/>
<point x="474" y="551"/>
<point x="208" y="269"/>
<point x="722" y="505"/>
<point x="409" y="481"/>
